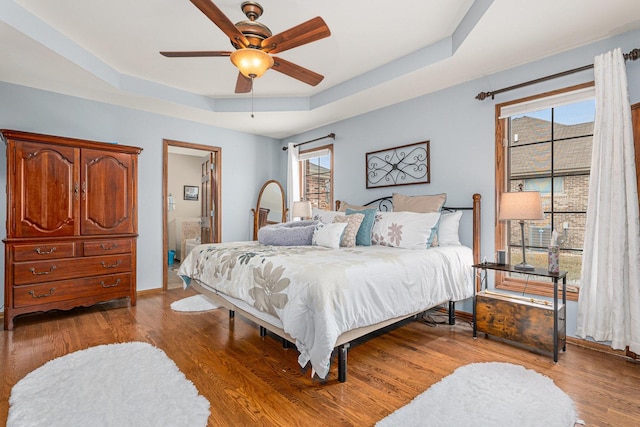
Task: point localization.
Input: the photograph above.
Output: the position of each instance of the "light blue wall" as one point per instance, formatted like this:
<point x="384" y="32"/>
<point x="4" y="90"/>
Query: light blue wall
<point x="462" y="134"/>
<point x="460" y="128"/>
<point x="248" y="160"/>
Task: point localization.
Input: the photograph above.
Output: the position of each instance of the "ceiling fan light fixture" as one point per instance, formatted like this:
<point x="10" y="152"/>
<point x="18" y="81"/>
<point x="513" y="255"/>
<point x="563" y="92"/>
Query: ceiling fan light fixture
<point x="252" y="63"/>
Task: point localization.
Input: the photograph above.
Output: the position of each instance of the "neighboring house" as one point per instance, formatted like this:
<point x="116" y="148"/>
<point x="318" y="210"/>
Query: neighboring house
<point x="530" y="166"/>
<point x="317" y="180"/>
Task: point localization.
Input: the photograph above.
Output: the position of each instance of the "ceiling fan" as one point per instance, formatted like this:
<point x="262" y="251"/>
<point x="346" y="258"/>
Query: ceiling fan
<point x="254" y="44"/>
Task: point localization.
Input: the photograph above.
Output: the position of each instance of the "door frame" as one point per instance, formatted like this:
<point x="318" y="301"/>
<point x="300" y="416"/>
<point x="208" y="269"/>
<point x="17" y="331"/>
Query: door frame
<point x="217" y="199"/>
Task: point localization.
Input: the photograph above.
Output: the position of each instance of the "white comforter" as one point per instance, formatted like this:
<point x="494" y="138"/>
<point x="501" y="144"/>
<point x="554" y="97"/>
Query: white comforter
<point x="320" y="293"/>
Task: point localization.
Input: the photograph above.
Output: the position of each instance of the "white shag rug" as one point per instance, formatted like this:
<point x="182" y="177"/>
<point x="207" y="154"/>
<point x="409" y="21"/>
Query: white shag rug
<point x="194" y="303"/>
<point x="488" y="394"/>
<point x="129" y="384"/>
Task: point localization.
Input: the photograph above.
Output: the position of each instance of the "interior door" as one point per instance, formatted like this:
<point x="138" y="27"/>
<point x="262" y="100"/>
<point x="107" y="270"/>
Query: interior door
<point x="210" y="198"/>
<point x="207" y="207"/>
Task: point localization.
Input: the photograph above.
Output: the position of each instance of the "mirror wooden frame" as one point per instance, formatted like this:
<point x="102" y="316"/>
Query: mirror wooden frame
<point x="256" y="212"/>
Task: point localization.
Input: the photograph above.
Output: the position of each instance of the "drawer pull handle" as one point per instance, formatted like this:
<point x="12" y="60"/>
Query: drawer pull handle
<point x="33" y="271"/>
<point x="41" y="252"/>
<point x="108" y="247"/>
<point x="109" y="286"/>
<point x="104" y="264"/>
<point x="33" y="294"/>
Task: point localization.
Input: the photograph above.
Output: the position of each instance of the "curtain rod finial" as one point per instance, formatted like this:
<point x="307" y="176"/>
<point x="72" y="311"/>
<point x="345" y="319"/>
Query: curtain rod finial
<point x="483" y="95"/>
<point x="633" y="55"/>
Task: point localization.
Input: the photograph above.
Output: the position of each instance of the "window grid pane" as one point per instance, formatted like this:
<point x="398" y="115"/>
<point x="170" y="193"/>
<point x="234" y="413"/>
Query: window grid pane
<point x="550" y="152"/>
<point x="317" y="181"/>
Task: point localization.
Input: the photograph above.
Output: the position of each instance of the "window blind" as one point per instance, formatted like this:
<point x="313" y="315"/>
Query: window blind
<point x="312" y="154"/>
<point x="548" y="102"/>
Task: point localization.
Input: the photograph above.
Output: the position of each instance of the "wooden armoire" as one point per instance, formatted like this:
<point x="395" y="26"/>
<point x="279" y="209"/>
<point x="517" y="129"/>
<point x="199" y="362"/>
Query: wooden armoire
<point x="71" y="223"/>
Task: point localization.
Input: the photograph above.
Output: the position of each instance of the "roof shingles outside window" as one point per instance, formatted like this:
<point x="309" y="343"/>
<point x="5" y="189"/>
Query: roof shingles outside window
<point x="530" y="154"/>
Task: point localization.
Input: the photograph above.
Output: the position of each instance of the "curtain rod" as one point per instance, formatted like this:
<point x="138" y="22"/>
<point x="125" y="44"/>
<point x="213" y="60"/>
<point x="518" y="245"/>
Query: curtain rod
<point x="331" y="135"/>
<point x="633" y="55"/>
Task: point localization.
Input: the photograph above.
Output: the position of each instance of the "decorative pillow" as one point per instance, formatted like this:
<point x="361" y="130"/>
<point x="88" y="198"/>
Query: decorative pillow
<point x="434" y="203"/>
<point x="410" y="230"/>
<point x="447" y="234"/>
<point x="363" y="238"/>
<point x="328" y="235"/>
<point x="344" y="206"/>
<point x="353" y="225"/>
<point x="324" y="216"/>
<point x="294" y="233"/>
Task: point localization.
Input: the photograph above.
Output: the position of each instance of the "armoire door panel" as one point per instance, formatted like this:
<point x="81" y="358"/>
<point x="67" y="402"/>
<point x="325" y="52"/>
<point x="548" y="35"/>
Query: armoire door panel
<point x="107" y="196"/>
<point x="47" y="188"/>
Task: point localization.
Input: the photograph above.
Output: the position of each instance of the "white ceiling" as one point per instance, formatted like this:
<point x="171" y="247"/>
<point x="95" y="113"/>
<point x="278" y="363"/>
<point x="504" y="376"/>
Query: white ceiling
<point x="379" y="53"/>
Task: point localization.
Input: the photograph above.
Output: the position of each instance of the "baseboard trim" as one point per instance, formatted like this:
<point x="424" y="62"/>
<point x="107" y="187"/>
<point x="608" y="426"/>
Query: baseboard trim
<point x="602" y="348"/>
<point x="150" y="292"/>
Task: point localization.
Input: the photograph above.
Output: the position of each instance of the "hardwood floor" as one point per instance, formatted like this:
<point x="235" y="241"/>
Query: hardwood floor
<point x="253" y="380"/>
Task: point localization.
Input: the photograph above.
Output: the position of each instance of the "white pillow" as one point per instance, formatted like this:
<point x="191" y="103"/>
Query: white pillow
<point x="410" y="230"/>
<point x="448" y="229"/>
<point x="324" y="216"/>
<point x="328" y="235"/>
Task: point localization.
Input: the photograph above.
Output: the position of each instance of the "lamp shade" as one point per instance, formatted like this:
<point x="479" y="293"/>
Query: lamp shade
<point x="301" y="209"/>
<point x="521" y="205"/>
<point x="252" y="63"/>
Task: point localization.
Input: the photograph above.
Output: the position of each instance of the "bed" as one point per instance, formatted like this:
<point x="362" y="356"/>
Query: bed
<point x="322" y="298"/>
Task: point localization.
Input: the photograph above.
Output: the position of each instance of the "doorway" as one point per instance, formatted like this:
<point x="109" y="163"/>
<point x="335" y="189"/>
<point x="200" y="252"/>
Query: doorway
<point x="199" y="194"/>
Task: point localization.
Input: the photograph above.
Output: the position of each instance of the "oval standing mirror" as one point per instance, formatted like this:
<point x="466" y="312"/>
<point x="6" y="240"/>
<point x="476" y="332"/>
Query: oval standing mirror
<point x="270" y="208"/>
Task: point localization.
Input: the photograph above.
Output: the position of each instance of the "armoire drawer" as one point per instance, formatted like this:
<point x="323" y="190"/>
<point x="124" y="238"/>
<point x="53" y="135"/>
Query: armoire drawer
<point x="26" y="273"/>
<point x="113" y="285"/>
<point x="43" y="251"/>
<point x="107" y="247"/>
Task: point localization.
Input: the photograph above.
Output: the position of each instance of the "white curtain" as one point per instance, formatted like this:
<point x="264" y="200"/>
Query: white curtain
<point x="609" y="303"/>
<point x="293" y="177"/>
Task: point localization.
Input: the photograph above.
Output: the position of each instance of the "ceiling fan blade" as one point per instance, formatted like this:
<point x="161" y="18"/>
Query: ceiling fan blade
<point x="296" y="71"/>
<point x="307" y="32"/>
<point x="220" y="19"/>
<point x="195" y="53"/>
<point x="243" y="84"/>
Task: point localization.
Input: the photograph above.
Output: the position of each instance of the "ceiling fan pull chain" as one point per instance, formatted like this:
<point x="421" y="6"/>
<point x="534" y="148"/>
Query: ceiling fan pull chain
<point x="252" y="97"/>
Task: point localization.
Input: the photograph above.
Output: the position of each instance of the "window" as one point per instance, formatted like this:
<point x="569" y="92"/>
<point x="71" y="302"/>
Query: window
<point x="316" y="173"/>
<point x="544" y="144"/>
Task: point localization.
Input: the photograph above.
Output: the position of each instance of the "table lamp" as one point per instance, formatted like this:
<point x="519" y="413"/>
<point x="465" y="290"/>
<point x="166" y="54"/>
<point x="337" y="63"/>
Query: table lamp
<point x="521" y="206"/>
<point x="301" y="209"/>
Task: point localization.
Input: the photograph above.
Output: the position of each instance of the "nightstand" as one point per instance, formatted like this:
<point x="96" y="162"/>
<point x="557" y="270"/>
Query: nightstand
<point x="533" y="322"/>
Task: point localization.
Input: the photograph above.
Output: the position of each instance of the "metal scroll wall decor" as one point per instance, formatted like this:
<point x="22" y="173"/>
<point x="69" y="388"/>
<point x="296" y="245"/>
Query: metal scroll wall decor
<point x="404" y="165"/>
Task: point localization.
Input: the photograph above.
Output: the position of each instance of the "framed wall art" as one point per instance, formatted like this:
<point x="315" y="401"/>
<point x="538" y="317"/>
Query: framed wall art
<point x="403" y="165"/>
<point x="191" y="192"/>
